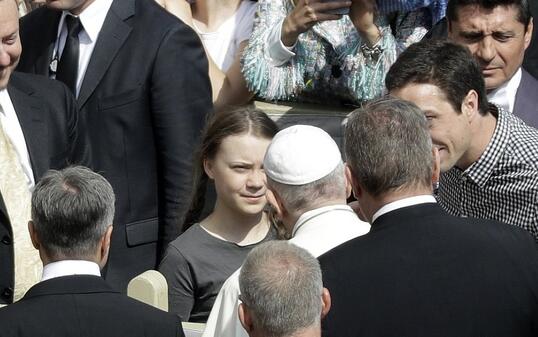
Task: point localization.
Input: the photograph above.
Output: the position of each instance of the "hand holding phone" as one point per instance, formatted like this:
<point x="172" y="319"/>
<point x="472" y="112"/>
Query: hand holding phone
<point x="306" y="13"/>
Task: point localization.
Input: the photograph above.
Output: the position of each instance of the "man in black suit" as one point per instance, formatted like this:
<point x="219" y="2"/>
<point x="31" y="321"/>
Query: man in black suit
<point x="38" y="131"/>
<point x="420" y="271"/>
<point x="140" y="77"/>
<point x="71" y="226"/>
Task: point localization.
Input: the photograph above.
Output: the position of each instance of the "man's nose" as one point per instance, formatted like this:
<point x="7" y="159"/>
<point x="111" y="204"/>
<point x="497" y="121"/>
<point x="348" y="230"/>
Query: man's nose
<point x="5" y="59"/>
<point x="486" y="49"/>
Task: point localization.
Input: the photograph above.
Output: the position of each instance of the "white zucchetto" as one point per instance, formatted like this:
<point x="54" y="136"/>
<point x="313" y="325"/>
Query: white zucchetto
<point x="301" y="154"/>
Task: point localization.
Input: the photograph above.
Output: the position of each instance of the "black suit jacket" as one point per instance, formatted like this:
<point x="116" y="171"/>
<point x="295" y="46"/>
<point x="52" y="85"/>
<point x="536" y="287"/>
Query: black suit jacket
<point x="143" y="101"/>
<point x="422" y="272"/>
<point x="48" y="117"/>
<point x="83" y="305"/>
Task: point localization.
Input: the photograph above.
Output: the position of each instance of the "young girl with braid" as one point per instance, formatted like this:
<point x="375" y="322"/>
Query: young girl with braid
<point x="201" y="259"/>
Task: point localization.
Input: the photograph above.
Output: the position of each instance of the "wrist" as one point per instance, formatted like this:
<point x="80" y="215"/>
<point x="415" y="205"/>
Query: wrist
<point x="370" y="35"/>
<point x="288" y="34"/>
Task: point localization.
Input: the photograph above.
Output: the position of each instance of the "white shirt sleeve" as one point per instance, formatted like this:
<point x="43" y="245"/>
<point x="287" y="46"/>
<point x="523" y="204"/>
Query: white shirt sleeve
<point x="278" y="52"/>
<point x="224" y="320"/>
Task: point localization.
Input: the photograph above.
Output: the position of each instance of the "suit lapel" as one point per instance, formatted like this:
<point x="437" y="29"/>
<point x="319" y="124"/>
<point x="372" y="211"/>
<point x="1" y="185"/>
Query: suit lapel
<point x="28" y="109"/>
<point x="111" y="37"/>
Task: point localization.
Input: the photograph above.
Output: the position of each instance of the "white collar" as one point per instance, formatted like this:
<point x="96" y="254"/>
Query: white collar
<point x="419" y="199"/>
<point x="306" y="216"/>
<point x="505" y="95"/>
<point x="92" y="18"/>
<point x="70" y="267"/>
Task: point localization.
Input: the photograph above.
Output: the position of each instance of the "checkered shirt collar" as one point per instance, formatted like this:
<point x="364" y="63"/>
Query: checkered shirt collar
<point x="481" y="170"/>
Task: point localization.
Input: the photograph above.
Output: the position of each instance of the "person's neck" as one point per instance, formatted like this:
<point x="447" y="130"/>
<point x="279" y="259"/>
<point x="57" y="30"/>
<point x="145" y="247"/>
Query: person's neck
<point x="292" y="218"/>
<point x="208" y="15"/>
<point x="483" y="130"/>
<point x="243" y="229"/>
<point x="312" y="331"/>
<point x="370" y="204"/>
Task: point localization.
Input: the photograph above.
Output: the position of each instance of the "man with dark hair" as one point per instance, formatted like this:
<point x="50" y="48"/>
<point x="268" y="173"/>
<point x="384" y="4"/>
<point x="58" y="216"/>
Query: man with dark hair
<point x="497" y="32"/>
<point x="140" y="78"/>
<point x="488" y="156"/>
<point x="71" y="226"/>
<point x="420" y="271"/>
<point x="282" y="292"/>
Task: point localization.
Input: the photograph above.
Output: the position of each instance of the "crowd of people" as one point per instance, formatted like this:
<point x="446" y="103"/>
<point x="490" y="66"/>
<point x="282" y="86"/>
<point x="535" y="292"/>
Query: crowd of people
<point x="128" y="143"/>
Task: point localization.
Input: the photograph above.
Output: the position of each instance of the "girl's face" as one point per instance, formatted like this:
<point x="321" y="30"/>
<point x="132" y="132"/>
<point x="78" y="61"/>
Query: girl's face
<point x="237" y="170"/>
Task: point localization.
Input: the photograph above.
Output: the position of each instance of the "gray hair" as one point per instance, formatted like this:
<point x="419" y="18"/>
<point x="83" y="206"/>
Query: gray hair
<point x="302" y="198"/>
<point x="281" y="286"/>
<point x="71" y="210"/>
<point x="388" y="146"/>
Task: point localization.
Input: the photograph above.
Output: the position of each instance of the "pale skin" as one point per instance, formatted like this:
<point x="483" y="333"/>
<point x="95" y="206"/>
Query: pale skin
<point x="460" y="136"/>
<point x="307" y="13"/>
<point x="237" y="171"/>
<point x="229" y="88"/>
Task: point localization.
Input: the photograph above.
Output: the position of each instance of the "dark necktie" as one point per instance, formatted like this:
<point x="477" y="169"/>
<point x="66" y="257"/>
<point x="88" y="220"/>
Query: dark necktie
<point x="68" y="65"/>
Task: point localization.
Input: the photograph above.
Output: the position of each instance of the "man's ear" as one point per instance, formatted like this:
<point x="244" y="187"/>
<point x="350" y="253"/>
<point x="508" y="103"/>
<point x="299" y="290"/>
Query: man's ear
<point x="528" y="33"/>
<point x="325" y="302"/>
<point x="105" y="247"/>
<point x="436" y="167"/>
<point x="33" y="235"/>
<point x="469" y="105"/>
<point x="352" y="181"/>
<point x="275" y="203"/>
<point x="245" y="318"/>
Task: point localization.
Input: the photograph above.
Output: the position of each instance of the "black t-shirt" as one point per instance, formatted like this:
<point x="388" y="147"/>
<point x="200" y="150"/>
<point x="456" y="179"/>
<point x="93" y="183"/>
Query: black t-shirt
<point x="195" y="265"/>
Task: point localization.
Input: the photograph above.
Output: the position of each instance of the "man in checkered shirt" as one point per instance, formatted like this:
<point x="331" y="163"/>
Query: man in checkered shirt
<point x="489" y="157"/>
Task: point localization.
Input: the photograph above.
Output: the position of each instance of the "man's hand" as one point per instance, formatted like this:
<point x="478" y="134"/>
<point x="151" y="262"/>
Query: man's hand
<point x="305" y="15"/>
<point x="362" y="14"/>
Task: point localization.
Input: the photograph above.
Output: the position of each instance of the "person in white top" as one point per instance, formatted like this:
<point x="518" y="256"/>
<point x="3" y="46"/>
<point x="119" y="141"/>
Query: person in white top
<point x="224" y="28"/>
<point x="308" y="190"/>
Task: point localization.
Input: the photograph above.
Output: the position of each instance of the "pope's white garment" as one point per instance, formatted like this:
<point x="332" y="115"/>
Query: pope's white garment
<point x="317" y="231"/>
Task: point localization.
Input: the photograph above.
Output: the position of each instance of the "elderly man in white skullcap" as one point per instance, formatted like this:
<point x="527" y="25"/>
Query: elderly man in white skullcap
<point x="308" y="190"/>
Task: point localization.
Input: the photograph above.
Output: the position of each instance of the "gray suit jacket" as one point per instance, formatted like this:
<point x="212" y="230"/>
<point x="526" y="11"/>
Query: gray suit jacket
<point x="526" y="103"/>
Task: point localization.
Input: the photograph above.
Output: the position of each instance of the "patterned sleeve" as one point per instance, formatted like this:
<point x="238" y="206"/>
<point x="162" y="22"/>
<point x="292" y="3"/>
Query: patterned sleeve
<point x="365" y="72"/>
<point x="264" y="76"/>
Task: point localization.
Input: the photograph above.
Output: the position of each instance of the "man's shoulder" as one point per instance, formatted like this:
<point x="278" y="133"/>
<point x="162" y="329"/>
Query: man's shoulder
<point x="34" y="82"/>
<point x="427" y="222"/>
<point x="92" y="303"/>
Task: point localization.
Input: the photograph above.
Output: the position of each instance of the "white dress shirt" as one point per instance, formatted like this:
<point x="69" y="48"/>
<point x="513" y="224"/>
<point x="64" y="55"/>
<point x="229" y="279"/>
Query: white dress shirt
<point x="92" y="19"/>
<point x="406" y="202"/>
<point x="505" y="95"/>
<point x="317" y="231"/>
<point x="70" y="267"/>
<point x="278" y="52"/>
<point x="12" y="129"/>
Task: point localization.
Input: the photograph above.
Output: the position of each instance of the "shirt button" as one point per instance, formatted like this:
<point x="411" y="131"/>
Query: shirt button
<point x="6" y="240"/>
<point x="7" y="293"/>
